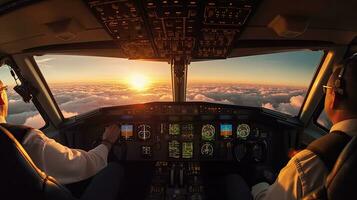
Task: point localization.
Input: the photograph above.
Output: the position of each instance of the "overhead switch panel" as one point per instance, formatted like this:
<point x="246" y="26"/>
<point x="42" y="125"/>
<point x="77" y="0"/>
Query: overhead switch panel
<point x="165" y="29"/>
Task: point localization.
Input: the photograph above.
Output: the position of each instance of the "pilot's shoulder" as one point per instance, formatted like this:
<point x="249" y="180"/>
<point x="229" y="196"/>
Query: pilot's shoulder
<point x="306" y="158"/>
<point x="308" y="166"/>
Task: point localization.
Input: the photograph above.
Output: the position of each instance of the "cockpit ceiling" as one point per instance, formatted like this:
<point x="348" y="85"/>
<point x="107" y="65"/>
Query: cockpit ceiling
<point x="166" y="29"/>
<point x="174" y="28"/>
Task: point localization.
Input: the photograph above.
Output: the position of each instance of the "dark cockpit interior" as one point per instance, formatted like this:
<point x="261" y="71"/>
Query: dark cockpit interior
<point x="188" y="146"/>
<point x="180" y="147"/>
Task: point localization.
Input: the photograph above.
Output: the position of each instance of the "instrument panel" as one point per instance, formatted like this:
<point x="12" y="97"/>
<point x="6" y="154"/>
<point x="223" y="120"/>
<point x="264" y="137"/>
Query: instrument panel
<point x="189" y="131"/>
<point x="191" y="140"/>
<point x="181" y="138"/>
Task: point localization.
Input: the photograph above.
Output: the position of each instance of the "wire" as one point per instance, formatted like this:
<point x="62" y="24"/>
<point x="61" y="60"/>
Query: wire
<point x="13" y="74"/>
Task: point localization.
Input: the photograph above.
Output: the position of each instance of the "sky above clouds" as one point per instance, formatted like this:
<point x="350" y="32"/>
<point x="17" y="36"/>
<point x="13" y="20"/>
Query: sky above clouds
<point x="80" y="84"/>
<point x="288" y="68"/>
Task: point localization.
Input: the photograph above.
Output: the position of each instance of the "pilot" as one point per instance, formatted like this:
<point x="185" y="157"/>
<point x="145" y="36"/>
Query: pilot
<point x="68" y="165"/>
<point x="306" y="172"/>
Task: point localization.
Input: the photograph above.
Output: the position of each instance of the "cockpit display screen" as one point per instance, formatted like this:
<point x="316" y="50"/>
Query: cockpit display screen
<point x="187" y="150"/>
<point x="174" y="129"/>
<point x="226" y="130"/>
<point x="127" y="131"/>
<point x="174" y="149"/>
<point x="187" y="131"/>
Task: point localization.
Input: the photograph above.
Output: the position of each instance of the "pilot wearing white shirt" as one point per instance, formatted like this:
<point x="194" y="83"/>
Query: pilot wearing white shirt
<point x="306" y="172"/>
<point x="67" y="165"/>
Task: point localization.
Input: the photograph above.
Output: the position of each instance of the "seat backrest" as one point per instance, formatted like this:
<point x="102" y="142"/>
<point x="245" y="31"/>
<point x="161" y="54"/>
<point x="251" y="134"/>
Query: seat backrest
<point x="342" y="180"/>
<point x="20" y="178"/>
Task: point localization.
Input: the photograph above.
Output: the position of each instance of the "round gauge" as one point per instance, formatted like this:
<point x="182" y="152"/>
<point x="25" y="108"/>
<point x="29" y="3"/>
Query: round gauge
<point x="144" y="132"/>
<point x="208" y="132"/>
<point x="207" y="149"/>
<point x="243" y="130"/>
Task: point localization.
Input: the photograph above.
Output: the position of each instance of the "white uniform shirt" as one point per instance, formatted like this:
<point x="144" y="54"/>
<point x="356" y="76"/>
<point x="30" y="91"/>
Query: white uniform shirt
<point x="66" y="165"/>
<point x="304" y="173"/>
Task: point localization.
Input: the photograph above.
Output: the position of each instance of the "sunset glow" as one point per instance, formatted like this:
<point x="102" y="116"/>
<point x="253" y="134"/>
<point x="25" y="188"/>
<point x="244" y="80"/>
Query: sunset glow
<point x="139" y="82"/>
<point x="81" y="84"/>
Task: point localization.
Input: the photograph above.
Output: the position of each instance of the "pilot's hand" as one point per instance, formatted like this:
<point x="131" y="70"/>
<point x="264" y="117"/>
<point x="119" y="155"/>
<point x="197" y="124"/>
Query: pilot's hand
<point x="110" y="135"/>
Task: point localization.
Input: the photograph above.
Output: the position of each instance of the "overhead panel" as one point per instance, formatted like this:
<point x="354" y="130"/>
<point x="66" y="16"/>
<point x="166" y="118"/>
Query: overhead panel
<point x="124" y="22"/>
<point x="173" y="24"/>
<point x="174" y="29"/>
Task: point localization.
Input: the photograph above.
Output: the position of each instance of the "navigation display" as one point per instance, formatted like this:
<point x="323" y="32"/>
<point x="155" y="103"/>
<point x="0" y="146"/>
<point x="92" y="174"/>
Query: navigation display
<point x="127" y="131"/>
<point x="187" y="150"/>
<point x="174" y="129"/>
<point x="187" y="131"/>
<point x="174" y="149"/>
<point x="226" y="130"/>
<point x="208" y="132"/>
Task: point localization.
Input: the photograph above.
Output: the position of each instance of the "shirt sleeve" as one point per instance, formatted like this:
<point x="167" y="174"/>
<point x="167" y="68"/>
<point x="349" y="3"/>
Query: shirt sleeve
<point x="303" y="173"/>
<point x="64" y="164"/>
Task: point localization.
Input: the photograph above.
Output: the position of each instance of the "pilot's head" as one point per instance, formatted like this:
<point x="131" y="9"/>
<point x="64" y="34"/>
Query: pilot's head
<point x="341" y="93"/>
<point x="3" y="100"/>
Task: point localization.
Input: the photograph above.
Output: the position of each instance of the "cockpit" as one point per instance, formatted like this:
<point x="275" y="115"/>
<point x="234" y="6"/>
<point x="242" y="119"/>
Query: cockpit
<point x="198" y="89"/>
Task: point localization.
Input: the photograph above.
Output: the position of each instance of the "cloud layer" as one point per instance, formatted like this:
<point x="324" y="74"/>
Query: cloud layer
<point x="79" y="98"/>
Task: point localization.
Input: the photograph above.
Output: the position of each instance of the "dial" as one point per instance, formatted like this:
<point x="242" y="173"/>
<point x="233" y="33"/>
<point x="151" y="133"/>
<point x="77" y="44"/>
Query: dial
<point x="207" y="149"/>
<point x="144" y="132"/>
<point x="243" y="131"/>
<point x="208" y="132"/>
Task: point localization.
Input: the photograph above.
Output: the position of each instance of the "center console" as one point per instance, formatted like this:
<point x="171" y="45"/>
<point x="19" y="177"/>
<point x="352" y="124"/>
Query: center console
<point x="176" y="180"/>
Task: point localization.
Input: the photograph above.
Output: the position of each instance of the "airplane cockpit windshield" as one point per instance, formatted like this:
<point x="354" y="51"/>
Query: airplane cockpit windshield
<point x="84" y="83"/>
<point x="180" y="95"/>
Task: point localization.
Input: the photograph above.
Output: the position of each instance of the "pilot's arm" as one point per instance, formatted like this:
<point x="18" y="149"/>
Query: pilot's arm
<point x="304" y="173"/>
<point x="65" y="164"/>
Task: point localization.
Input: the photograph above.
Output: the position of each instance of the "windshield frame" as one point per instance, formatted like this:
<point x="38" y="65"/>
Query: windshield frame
<point x="286" y="50"/>
<point x="317" y="70"/>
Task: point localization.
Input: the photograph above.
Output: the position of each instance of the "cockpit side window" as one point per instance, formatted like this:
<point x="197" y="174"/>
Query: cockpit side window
<point x="19" y="112"/>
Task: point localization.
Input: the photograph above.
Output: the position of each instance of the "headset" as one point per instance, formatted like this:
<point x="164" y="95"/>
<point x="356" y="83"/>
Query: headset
<point x="339" y="84"/>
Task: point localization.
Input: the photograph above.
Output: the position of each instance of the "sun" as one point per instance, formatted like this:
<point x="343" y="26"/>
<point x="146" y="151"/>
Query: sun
<point x="139" y="82"/>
